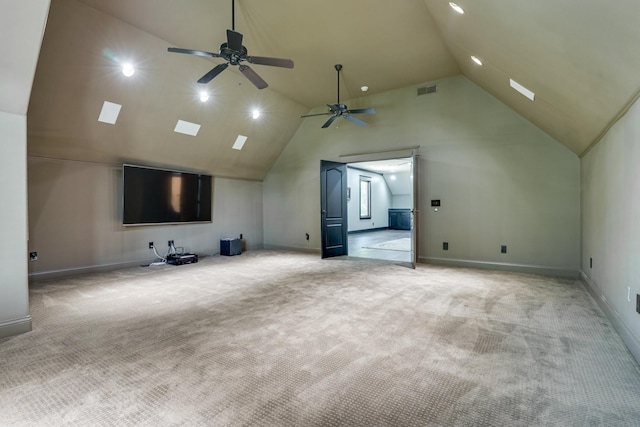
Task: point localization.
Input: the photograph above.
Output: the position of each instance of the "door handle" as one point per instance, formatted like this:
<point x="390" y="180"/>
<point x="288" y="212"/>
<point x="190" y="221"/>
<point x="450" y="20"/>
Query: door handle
<point x="323" y="212"/>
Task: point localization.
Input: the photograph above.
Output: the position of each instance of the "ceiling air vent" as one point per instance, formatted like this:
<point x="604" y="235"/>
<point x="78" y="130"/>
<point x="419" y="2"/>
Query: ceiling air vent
<point x="427" y="89"/>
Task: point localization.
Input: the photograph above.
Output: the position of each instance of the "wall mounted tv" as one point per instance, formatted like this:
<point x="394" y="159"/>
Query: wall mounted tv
<point x="160" y="196"/>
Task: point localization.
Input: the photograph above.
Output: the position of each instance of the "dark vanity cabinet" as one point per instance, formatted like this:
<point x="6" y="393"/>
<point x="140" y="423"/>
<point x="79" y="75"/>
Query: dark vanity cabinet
<point x="400" y="219"/>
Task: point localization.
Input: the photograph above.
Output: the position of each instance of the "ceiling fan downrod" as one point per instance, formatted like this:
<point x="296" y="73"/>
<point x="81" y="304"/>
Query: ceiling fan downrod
<point x="338" y="68"/>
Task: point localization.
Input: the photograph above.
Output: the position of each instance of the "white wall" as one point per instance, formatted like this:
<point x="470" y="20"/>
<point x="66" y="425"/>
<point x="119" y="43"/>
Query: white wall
<point x="75" y="212"/>
<point x="611" y="224"/>
<point x="21" y="30"/>
<point x="14" y="299"/>
<point x="500" y="178"/>
<point x="380" y="201"/>
<point x="402" y="201"/>
<point x="401" y="189"/>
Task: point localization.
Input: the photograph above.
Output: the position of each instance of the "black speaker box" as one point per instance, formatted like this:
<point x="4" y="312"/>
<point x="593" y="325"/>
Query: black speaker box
<point x="230" y="246"/>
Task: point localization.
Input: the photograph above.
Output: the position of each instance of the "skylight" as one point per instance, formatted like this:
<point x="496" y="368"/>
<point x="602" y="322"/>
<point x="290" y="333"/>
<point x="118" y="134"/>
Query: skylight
<point x="187" y="128"/>
<point x="109" y="112"/>
<point x="456" y="8"/>
<point x="523" y="90"/>
<point x="240" y="140"/>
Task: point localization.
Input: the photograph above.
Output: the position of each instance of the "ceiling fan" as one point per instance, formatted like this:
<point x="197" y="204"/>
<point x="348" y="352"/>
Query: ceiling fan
<point x="234" y="53"/>
<point x="340" y="110"/>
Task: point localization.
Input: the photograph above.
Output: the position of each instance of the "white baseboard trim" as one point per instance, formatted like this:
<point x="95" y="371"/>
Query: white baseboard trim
<point x="293" y="248"/>
<point x="76" y="271"/>
<point x="15" y="327"/>
<point x="518" y="268"/>
<point x="628" y="338"/>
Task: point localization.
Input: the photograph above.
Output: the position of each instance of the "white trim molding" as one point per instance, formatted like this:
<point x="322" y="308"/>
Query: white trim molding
<point x="627" y="336"/>
<point x="568" y="273"/>
<point x="15" y="327"/>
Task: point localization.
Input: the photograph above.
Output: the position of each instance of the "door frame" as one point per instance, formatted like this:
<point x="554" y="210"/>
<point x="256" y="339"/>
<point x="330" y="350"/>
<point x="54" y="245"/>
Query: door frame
<point x="409" y="152"/>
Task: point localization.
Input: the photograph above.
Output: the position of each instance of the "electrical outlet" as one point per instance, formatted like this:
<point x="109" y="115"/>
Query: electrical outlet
<point x="33" y="256"/>
<point x="170" y="243"/>
<point x="150" y="245"/>
<point x="445" y="246"/>
<point x="306" y="236"/>
<point x="503" y="249"/>
<point x="240" y="236"/>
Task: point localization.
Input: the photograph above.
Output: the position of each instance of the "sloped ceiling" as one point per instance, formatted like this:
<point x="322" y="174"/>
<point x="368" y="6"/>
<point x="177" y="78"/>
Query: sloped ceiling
<point x="580" y="59"/>
<point x="19" y="57"/>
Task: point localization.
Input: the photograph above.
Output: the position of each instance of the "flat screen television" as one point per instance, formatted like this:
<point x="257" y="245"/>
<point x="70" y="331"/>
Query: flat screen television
<point x="160" y="196"/>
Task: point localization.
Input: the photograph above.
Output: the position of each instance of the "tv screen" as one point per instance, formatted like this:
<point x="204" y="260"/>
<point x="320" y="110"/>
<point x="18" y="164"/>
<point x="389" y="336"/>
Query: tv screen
<point x="160" y="196"/>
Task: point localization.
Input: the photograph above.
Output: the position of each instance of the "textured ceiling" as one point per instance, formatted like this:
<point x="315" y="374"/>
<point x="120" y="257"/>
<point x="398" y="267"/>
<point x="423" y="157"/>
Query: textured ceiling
<point x="580" y="58"/>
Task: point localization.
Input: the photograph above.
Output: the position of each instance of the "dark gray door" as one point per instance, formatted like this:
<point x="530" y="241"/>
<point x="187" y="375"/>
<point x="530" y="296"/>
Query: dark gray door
<point x="333" y="205"/>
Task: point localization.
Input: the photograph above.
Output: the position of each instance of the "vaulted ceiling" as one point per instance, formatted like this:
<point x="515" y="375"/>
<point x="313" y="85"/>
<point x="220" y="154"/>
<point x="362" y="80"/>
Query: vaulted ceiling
<point x="580" y="58"/>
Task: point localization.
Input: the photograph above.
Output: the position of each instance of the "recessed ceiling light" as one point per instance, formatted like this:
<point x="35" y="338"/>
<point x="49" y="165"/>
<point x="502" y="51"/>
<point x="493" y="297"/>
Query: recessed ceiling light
<point x="476" y="60"/>
<point x="109" y="112"/>
<point x="187" y="128"/>
<point x="364" y="88"/>
<point x="240" y="140"/>
<point x="204" y="96"/>
<point x="128" y="70"/>
<point x="255" y="113"/>
<point x="456" y="8"/>
<point x="523" y="90"/>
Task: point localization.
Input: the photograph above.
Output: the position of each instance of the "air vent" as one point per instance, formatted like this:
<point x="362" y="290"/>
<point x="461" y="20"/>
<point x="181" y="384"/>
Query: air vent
<point x="427" y="89"/>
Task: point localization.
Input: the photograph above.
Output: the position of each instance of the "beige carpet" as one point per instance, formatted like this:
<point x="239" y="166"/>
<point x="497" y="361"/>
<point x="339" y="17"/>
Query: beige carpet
<point x="286" y="339"/>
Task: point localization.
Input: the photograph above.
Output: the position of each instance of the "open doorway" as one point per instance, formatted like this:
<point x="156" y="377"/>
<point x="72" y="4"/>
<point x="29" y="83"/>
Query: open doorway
<point x="380" y="202"/>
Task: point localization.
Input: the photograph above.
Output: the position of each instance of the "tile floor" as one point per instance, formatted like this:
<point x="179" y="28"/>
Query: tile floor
<point x="358" y="241"/>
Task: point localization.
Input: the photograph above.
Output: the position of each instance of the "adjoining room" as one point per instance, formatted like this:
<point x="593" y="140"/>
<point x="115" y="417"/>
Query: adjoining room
<point x="381" y="192"/>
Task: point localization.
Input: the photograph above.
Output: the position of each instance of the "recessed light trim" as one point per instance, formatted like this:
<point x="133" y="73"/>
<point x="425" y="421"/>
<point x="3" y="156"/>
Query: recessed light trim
<point x="204" y="96"/>
<point x="477" y="60"/>
<point x="523" y="90"/>
<point x="128" y="70"/>
<point x="456" y="8"/>
<point x="364" y="88"/>
<point x="187" y="128"/>
<point x="240" y="140"/>
<point x="109" y="112"/>
<point x="255" y="114"/>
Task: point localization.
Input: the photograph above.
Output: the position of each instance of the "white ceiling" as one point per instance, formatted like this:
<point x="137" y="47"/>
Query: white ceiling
<point x="580" y="59"/>
<point x="396" y="173"/>
<point x="385" y="166"/>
